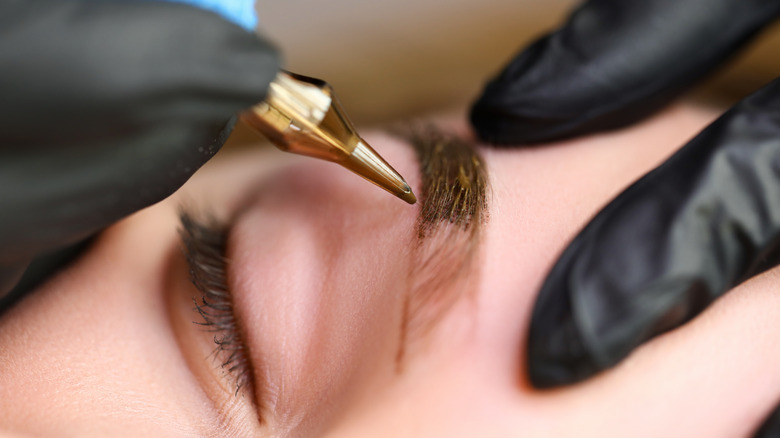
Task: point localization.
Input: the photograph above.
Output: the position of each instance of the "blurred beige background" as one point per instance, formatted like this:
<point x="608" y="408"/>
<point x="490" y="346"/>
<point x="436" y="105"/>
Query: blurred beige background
<point x="400" y="58"/>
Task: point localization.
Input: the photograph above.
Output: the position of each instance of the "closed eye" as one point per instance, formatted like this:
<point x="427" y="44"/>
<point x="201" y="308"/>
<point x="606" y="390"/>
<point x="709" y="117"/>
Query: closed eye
<point x="204" y="244"/>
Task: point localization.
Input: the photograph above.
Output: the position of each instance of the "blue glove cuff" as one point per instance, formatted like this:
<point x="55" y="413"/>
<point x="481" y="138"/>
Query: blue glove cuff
<point x="241" y="12"/>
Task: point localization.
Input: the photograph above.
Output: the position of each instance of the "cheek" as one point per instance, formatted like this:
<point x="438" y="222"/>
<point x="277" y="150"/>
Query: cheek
<point x="320" y="261"/>
<point x="93" y="350"/>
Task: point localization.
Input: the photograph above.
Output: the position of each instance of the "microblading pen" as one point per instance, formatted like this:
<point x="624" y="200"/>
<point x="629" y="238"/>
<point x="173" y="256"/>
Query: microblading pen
<point x="302" y="115"/>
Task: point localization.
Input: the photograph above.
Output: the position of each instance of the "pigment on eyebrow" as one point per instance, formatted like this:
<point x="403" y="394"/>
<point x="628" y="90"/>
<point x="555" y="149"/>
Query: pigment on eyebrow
<point x="453" y="191"/>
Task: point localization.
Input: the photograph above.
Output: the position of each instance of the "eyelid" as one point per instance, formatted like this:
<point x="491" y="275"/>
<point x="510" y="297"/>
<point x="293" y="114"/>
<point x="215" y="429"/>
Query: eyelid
<point x="204" y="246"/>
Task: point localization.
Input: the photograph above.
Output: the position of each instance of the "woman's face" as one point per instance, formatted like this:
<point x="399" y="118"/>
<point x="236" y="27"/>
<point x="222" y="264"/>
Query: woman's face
<point x="324" y="316"/>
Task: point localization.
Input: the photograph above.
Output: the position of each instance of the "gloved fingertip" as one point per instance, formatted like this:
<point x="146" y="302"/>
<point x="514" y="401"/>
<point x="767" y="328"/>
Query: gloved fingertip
<point x="556" y="352"/>
<point x="558" y="357"/>
<point x="508" y="110"/>
<point x="10" y="273"/>
<point x="498" y="126"/>
<point x="555" y="90"/>
<point x="771" y="426"/>
<point x="523" y="105"/>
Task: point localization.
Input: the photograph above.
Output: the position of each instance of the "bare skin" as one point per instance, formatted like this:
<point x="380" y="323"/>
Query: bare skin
<point x="318" y="262"/>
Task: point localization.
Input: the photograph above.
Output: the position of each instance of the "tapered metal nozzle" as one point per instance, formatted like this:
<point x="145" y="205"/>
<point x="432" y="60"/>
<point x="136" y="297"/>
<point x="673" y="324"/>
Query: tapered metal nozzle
<point x="367" y="163"/>
<point x="302" y="115"/>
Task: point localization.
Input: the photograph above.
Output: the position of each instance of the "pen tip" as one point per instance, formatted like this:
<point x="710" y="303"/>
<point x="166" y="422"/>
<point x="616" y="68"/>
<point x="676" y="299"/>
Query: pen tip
<point x="370" y="165"/>
<point x="408" y="196"/>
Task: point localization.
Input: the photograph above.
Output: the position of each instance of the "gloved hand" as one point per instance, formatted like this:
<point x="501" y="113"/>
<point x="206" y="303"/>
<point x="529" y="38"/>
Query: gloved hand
<point x="673" y="242"/>
<point x="108" y="107"/>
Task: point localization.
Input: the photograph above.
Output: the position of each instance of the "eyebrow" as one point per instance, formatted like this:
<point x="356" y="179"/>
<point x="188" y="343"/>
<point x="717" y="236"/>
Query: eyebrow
<point x="454" y="207"/>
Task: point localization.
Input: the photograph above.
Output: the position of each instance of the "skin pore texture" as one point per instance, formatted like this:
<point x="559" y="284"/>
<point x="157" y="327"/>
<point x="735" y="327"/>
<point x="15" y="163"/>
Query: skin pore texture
<point x="319" y="266"/>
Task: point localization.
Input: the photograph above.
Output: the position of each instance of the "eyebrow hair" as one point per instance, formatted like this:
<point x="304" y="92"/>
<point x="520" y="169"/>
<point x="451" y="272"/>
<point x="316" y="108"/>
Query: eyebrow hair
<point x="454" y="195"/>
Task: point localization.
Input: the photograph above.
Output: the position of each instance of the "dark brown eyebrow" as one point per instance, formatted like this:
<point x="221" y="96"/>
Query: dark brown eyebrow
<point x="454" y="206"/>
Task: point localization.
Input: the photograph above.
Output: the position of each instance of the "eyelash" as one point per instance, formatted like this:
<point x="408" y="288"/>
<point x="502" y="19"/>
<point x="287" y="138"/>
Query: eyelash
<point x="204" y="249"/>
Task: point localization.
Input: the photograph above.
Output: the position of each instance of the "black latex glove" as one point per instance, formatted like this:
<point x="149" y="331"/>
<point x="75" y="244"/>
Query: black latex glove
<point x="108" y="107"/>
<point x="687" y="232"/>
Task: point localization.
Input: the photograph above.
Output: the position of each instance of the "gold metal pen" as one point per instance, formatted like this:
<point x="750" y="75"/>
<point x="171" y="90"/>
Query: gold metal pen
<point x="302" y="115"/>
